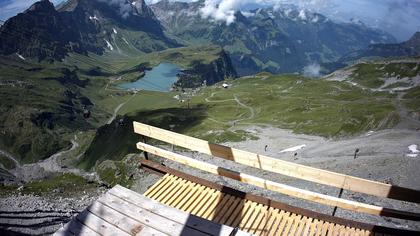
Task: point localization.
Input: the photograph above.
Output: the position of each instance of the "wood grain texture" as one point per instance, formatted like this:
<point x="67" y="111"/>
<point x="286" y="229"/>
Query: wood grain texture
<point x="279" y="166"/>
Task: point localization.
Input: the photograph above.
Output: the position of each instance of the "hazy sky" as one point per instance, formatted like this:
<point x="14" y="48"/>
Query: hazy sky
<point x="398" y="17"/>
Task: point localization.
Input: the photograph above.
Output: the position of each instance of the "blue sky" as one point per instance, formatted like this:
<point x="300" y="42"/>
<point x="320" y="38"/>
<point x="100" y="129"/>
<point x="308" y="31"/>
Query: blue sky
<point x="398" y="17"/>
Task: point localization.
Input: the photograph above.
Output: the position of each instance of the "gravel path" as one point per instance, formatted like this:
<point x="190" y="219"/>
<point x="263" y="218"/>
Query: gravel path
<point x="117" y="109"/>
<point x="43" y="169"/>
<point x="236" y="99"/>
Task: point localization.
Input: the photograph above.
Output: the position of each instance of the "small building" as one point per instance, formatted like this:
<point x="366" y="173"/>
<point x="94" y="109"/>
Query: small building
<point x="225" y="85"/>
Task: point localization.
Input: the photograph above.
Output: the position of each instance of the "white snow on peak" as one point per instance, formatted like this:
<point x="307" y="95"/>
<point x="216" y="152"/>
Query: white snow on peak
<point x="109" y="45"/>
<point x="247" y="14"/>
<point x="302" y="14"/>
<point x="115" y="31"/>
<point x="93" y="18"/>
<point x="293" y="149"/>
<point x="287" y="12"/>
<point x="20" y="56"/>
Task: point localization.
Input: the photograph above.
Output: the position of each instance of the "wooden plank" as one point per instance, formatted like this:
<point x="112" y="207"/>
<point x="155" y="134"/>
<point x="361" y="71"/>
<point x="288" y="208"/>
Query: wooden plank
<point x="176" y="202"/>
<point x="189" y="203"/>
<point x="239" y="213"/>
<point x="155" y="192"/>
<point x="249" y="216"/>
<point x="168" y="187"/>
<point x="216" y="206"/>
<point x="178" y="189"/>
<point x="290" y="222"/>
<point x="125" y="223"/>
<point x="232" y="210"/>
<point x="283" y="222"/>
<point x="187" y="198"/>
<point x="74" y="227"/>
<point x="201" y="203"/>
<point x="274" y="215"/>
<point x="99" y="225"/>
<point x="313" y="226"/>
<point x="279" y="166"/>
<point x="278" y="187"/>
<point x="260" y="221"/>
<point x="276" y="222"/>
<point x="231" y="205"/>
<point x="302" y="224"/>
<point x="156" y="185"/>
<point x="307" y="226"/>
<point x="171" y="213"/>
<point x="215" y="200"/>
<point x="129" y="217"/>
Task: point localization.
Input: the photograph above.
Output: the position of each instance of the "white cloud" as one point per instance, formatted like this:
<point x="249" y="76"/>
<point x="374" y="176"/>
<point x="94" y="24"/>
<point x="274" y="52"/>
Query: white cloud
<point x="224" y="10"/>
<point x="312" y="70"/>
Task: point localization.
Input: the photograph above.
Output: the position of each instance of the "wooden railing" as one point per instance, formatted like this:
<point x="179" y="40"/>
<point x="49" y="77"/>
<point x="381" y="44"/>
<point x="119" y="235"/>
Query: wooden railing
<point x="281" y="167"/>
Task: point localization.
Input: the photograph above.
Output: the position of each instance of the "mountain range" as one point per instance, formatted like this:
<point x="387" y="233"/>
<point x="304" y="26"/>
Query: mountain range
<point x="82" y="26"/>
<point x="274" y="40"/>
<point x="408" y="48"/>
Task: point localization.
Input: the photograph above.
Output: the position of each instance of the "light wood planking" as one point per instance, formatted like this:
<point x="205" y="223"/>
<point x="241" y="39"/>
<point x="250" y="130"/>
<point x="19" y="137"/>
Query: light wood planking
<point x="249" y="216"/>
<point x="282" y="167"/>
<point x="278" y="187"/>
<point x="123" y="212"/>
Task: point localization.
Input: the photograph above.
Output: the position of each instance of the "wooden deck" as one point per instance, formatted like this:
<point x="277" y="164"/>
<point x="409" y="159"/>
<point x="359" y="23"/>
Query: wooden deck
<point x="249" y="216"/>
<point x="253" y="214"/>
<point x="124" y="212"/>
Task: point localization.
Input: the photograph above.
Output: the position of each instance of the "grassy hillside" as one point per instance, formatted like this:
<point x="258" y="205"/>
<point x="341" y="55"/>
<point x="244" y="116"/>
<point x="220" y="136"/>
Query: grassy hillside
<point x="327" y="108"/>
<point x="42" y="104"/>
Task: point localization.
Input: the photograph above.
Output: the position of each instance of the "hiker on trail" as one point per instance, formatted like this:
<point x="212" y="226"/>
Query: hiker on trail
<point x="356" y="153"/>
<point x="265" y="148"/>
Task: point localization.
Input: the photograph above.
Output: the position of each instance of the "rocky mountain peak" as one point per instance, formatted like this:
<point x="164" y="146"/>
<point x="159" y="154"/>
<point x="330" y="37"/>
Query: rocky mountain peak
<point x="41" y="6"/>
<point x="415" y="39"/>
<point x="142" y="8"/>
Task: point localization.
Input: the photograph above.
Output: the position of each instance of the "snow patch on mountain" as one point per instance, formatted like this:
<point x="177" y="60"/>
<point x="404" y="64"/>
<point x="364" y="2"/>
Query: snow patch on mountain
<point x="109" y="45"/>
<point x="125" y="40"/>
<point x="93" y="18"/>
<point x="20" y="56"/>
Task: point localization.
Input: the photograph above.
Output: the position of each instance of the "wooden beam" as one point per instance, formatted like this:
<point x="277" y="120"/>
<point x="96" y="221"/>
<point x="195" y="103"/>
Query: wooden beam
<point x="278" y="187"/>
<point x="279" y="166"/>
<point x="320" y="217"/>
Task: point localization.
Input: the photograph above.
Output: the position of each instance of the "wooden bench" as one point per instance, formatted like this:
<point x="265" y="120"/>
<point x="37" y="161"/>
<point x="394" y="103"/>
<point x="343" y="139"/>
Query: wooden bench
<point x="318" y="176"/>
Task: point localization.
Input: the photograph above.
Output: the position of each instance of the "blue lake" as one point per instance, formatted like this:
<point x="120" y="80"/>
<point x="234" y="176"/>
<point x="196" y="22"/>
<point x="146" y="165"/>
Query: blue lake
<point x="160" y="78"/>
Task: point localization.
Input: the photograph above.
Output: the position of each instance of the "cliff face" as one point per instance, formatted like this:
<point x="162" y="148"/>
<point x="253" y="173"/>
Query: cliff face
<point x="208" y="74"/>
<point x="81" y="26"/>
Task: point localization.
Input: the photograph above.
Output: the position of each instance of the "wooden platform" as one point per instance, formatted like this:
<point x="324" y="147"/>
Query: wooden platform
<point x="124" y="212"/>
<point x="234" y="211"/>
<point x="250" y="213"/>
